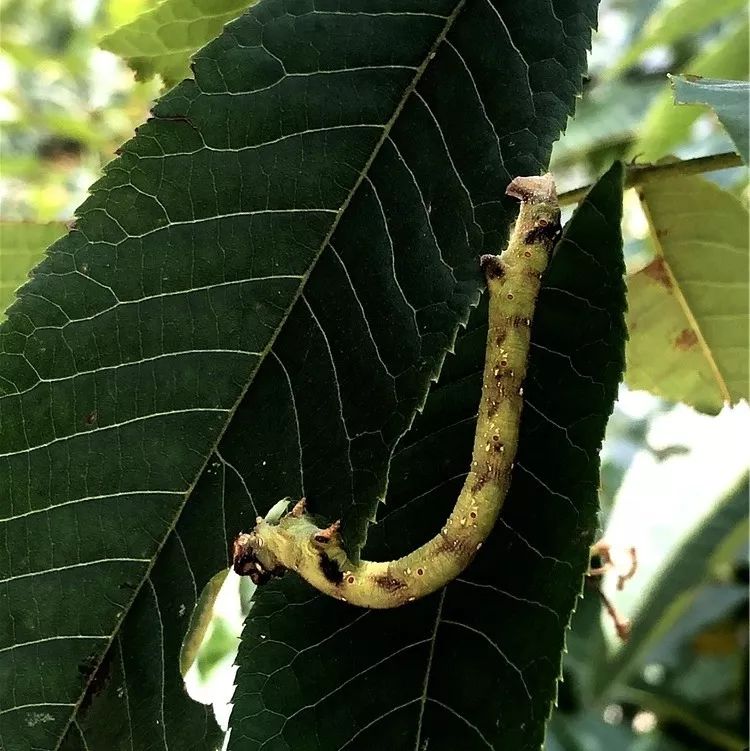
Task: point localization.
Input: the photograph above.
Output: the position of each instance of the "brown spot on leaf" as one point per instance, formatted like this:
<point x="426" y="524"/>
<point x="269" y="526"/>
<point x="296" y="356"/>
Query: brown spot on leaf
<point x="657" y="271"/>
<point x="686" y="340"/>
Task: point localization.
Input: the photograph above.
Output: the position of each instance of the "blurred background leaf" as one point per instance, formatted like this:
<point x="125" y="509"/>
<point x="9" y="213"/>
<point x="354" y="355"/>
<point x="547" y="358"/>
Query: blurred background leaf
<point x="665" y="126"/>
<point x="22" y="246"/>
<point x="673" y="21"/>
<point x="729" y="99"/>
<point x="688" y="308"/>
<point x="162" y="39"/>
<point x="65" y="104"/>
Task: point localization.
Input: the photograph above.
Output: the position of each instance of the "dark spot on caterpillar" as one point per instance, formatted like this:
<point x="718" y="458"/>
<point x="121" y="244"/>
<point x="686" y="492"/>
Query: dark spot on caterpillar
<point x="479" y="483"/>
<point x="686" y="340"/>
<point x="245" y="561"/>
<point x="657" y="271"/>
<point x="350" y="580"/>
<point x="518" y="321"/>
<point x="491" y="266"/>
<point x="454" y="545"/>
<point x="543" y="231"/>
<point x="420" y="572"/>
<point x="390" y="583"/>
<point x="330" y="569"/>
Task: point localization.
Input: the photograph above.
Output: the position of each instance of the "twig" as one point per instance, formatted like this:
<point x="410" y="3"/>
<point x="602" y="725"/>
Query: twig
<point x="639" y="174"/>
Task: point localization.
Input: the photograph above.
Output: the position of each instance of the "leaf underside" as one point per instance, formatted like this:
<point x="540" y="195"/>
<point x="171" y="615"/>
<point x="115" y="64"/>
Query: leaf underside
<point x="688" y="313"/>
<point x="162" y="39"/>
<point x="360" y="150"/>
<point x="475" y="665"/>
<point x="729" y="99"/>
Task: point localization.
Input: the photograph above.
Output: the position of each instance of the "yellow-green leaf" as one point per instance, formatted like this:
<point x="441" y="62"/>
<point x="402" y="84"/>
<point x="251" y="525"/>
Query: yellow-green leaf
<point x="162" y="40"/>
<point x="22" y="245"/>
<point x="688" y="316"/>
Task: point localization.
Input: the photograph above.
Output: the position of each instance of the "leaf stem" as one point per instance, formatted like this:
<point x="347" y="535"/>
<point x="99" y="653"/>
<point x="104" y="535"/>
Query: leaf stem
<point x="639" y="174"/>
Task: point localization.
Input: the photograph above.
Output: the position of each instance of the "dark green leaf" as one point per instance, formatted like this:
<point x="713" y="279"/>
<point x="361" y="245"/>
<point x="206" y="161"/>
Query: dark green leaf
<point x="729" y="99"/>
<point x="473" y="666"/>
<point x="361" y="149"/>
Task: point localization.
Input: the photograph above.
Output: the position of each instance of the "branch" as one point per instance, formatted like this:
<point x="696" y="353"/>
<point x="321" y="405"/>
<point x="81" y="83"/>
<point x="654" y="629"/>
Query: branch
<point x="639" y="174"/>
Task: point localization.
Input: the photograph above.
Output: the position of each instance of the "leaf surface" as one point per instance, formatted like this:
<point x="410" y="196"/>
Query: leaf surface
<point x="289" y="246"/>
<point x="688" y="309"/>
<point x="475" y="665"/>
<point x="729" y="99"/>
<point x="162" y="40"/>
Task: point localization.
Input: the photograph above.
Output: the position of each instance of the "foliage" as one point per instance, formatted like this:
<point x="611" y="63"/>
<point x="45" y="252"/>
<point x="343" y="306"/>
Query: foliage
<point x="22" y="246"/>
<point x="162" y="39"/>
<point x="221" y="359"/>
<point x="688" y="317"/>
<point x="665" y="126"/>
<point x="730" y="99"/>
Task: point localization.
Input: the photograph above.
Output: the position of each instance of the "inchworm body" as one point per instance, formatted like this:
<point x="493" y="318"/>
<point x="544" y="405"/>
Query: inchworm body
<point x="295" y="543"/>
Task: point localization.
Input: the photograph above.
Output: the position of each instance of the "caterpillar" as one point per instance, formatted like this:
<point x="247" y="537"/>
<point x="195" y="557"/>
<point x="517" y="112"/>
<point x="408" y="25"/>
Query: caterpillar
<point x="294" y="542"/>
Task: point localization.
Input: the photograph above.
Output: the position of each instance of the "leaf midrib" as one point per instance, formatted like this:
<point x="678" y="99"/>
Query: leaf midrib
<point x="387" y="128"/>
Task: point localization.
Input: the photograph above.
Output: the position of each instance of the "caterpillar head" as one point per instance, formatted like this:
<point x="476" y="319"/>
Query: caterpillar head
<point x="251" y="558"/>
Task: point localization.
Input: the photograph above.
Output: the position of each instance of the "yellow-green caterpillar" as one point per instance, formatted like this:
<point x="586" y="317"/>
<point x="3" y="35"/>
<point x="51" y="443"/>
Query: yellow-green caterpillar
<point x="295" y="543"/>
